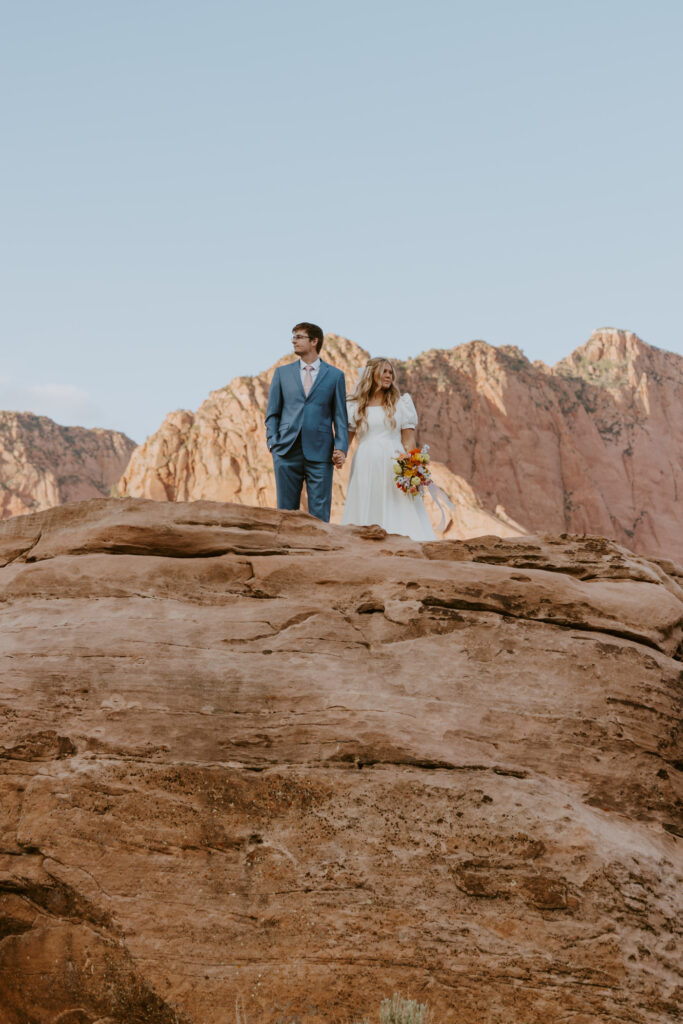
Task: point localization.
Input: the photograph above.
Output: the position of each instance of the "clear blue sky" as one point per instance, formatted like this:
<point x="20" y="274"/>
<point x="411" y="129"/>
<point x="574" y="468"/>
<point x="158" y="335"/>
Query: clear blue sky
<point x="180" y="182"/>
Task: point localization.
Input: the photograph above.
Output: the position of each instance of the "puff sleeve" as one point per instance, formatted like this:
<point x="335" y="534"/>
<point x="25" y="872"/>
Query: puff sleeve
<point x="351" y="410"/>
<point x="407" y="413"/>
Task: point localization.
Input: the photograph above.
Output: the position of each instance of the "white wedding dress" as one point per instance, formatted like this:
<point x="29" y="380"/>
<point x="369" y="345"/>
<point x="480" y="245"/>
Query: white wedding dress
<point x="373" y="496"/>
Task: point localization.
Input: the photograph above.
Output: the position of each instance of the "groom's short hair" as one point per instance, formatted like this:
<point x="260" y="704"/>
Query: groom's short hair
<point x="314" y="333"/>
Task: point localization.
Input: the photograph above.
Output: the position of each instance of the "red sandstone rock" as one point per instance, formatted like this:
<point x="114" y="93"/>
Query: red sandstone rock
<point x="593" y="445"/>
<point x="44" y="464"/>
<point x="245" y="755"/>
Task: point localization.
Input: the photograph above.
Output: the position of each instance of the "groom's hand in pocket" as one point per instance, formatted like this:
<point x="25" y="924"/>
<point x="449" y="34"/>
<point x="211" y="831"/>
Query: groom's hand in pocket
<point x="338" y="458"/>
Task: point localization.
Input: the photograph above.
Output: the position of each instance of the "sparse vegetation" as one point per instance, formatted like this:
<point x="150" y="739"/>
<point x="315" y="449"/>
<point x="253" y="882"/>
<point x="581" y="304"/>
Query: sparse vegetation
<point x="397" y="1010"/>
<point x="602" y="372"/>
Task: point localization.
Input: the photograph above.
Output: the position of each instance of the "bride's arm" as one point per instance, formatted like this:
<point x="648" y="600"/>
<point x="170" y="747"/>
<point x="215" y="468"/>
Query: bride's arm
<point x="351" y="407"/>
<point x="408" y="419"/>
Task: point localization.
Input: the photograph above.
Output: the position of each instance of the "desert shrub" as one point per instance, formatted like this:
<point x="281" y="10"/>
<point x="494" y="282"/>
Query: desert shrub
<point x="398" y="1010"/>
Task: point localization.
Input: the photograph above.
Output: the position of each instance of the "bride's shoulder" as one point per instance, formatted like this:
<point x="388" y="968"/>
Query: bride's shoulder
<point x="405" y="401"/>
<point x="406" y="407"/>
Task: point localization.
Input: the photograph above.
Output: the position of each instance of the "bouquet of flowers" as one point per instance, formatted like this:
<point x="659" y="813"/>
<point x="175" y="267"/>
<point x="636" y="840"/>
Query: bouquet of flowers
<point x="411" y="471"/>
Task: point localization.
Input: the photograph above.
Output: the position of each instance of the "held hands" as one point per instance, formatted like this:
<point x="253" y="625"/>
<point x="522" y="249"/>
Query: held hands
<point x="338" y="458"/>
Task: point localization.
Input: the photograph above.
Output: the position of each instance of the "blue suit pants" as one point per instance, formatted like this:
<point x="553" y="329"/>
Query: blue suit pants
<point x="291" y="469"/>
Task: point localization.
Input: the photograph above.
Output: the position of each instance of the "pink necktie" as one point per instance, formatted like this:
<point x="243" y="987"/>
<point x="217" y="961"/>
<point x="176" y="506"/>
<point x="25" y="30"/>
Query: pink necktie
<point x="308" y="379"/>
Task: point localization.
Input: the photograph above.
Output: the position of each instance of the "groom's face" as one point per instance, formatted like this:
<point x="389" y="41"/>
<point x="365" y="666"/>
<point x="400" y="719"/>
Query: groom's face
<point x="304" y="347"/>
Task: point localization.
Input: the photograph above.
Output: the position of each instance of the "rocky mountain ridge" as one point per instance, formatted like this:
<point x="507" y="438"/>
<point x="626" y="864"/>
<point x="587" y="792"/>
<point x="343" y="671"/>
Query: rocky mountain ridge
<point x="593" y="445"/>
<point x="43" y="464"/>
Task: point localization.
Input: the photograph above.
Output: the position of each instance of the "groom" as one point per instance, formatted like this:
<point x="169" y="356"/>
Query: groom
<point x="307" y="398"/>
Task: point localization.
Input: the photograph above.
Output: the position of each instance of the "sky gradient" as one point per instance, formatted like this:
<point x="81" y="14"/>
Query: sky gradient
<point x="182" y="182"/>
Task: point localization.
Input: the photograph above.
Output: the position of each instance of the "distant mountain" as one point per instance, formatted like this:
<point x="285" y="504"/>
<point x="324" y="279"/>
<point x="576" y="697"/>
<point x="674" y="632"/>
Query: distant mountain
<point x="592" y="445"/>
<point x="44" y="464"/>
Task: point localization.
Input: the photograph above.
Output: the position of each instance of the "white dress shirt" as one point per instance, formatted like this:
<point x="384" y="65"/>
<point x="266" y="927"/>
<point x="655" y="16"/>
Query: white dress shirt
<point x="314" y="370"/>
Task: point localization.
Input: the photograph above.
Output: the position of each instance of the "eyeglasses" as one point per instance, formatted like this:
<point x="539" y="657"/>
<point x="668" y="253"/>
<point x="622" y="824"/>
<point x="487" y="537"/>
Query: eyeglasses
<point x="300" y="337"/>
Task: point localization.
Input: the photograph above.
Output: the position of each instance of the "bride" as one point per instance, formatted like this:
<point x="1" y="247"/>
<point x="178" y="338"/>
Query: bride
<point x="384" y="421"/>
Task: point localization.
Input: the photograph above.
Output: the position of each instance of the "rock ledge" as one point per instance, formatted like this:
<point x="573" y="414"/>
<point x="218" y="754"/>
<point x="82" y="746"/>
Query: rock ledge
<point x="245" y="755"/>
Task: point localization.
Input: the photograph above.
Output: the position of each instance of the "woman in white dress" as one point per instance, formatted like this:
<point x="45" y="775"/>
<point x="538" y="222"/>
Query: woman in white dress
<point x="384" y="422"/>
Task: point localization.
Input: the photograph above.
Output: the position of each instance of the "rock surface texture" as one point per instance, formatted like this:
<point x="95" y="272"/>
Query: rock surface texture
<point x="43" y="464"/>
<point x="248" y="756"/>
<point x="592" y="445"/>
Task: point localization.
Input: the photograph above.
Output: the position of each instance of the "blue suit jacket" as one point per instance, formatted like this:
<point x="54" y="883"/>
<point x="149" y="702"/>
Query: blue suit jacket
<point x="291" y="412"/>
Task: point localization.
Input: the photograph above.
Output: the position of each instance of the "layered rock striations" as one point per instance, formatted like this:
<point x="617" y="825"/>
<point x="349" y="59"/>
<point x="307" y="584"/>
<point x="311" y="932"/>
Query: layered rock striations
<point x="593" y="445"/>
<point x="43" y="464"/>
<point x="250" y="759"/>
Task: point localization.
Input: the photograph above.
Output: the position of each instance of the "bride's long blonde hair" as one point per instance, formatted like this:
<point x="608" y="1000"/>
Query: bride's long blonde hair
<point x="367" y="387"/>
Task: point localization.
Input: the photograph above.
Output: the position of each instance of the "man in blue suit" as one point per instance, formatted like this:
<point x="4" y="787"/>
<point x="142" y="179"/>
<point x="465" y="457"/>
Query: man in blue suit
<point x="306" y="424"/>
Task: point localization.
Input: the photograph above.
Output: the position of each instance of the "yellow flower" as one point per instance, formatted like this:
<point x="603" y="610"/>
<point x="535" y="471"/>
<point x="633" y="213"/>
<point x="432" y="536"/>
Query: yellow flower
<point x="415" y="481"/>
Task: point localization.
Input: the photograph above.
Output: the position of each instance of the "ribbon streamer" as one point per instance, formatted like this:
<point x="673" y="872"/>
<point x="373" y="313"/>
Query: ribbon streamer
<point x="439" y="495"/>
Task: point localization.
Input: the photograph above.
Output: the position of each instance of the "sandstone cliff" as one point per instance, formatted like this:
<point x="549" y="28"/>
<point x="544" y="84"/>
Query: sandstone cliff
<point x="245" y="755"/>
<point x="44" y="464"/>
<point x="593" y="445"/>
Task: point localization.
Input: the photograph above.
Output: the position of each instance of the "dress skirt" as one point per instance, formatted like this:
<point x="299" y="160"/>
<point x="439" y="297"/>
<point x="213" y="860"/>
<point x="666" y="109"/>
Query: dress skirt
<point x="373" y="497"/>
